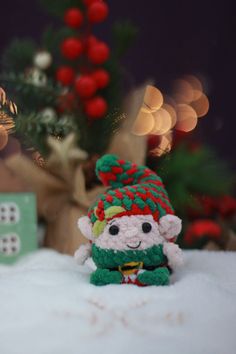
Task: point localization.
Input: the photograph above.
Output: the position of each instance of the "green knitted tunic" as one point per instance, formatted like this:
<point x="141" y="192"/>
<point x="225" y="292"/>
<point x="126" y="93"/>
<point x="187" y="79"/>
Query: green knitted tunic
<point x="108" y="259"/>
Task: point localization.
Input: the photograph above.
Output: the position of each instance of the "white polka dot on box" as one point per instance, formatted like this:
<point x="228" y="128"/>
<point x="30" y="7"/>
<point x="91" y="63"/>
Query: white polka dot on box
<point x="17" y="225"/>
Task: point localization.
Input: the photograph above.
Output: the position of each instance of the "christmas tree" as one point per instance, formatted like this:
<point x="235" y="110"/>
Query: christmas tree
<point x="71" y="81"/>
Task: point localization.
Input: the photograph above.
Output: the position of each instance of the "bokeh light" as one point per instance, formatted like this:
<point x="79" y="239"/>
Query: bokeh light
<point x="172" y="112"/>
<point x="196" y="85"/>
<point x="143" y="124"/>
<point x="201" y="105"/>
<point x="158" y="115"/>
<point x="153" y="99"/>
<point x="186" y="118"/>
<point x="164" y="145"/>
<point x="163" y="122"/>
<point x="183" y="91"/>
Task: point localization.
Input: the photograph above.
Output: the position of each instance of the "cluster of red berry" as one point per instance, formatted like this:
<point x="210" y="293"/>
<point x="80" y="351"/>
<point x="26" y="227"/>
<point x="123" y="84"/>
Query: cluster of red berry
<point x="92" y="53"/>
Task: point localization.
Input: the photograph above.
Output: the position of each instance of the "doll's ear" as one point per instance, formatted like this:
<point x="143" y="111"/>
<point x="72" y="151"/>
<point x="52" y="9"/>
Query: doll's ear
<point x="170" y="226"/>
<point x="85" y="226"/>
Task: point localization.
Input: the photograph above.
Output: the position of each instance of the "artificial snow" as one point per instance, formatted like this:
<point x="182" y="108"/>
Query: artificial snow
<point x="49" y="307"/>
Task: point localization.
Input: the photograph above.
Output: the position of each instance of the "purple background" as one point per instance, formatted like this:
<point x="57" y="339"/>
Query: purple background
<point x="175" y="37"/>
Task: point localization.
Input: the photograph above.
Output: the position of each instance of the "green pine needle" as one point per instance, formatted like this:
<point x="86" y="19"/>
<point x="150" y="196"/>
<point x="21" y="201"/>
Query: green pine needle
<point x="18" y="55"/>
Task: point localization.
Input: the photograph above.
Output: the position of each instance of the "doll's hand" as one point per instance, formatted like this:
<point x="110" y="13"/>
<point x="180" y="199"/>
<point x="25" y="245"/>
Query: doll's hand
<point x="170" y="226"/>
<point x="83" y="253"/>
<point x="174" y="254"/>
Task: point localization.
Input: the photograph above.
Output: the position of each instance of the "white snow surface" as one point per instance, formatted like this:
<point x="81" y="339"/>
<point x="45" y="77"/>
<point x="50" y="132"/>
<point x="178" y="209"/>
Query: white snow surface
<point x="49" y="307"/>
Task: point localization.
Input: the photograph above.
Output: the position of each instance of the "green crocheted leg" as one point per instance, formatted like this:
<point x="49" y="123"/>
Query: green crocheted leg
<point x="105" y="277"/>
<point x="159" y="276"/>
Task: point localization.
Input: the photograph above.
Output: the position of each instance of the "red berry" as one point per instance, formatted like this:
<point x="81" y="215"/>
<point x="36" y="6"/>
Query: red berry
<point x="97" y="12"/>
<point x="71" y="48"/>
<point x="96" y="107"/>
<point x="90" y="2"/>
<point x="91" y="40"/>
<point x="98" y="53"/>
<point x="85" y="86"/>
<point x="73" y="17"/>
<point x="65" y="75"/>
<point x="101" y="78"/>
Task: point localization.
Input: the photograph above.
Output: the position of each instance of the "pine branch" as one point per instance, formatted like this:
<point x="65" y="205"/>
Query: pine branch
<point x="124" y="34"/>
<point x="18" y="55"/>
<point x="28" y="96"/>
<point x="35" y="129"/>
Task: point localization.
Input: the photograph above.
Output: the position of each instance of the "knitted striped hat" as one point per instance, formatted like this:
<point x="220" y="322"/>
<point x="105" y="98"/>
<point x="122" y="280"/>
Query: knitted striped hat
<point x="135" y="190"/>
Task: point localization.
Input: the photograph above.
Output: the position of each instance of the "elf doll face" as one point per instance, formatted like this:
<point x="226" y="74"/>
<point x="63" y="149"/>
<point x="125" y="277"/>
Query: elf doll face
<point x="136" y="232"/>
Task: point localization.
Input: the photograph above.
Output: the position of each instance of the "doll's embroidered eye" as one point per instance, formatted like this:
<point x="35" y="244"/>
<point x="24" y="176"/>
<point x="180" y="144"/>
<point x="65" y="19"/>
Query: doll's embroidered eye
<point x="114" y="230"/>
<point x="146" y="227"/>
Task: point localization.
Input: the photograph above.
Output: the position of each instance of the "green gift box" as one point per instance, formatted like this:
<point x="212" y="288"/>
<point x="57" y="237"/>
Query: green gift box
<point x="17" y="225"/>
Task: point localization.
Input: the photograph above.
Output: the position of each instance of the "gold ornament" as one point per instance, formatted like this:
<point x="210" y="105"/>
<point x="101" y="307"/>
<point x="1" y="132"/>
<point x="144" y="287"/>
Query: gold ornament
<point x="3" y="137"/>
<point x="6" y="121"/>
<point x="3" y="97"/>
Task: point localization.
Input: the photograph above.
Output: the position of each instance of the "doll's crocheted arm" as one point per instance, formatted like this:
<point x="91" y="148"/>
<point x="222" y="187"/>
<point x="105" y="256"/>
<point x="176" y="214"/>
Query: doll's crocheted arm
<point x="83" y="253"/>
<point x="174" y="254"/>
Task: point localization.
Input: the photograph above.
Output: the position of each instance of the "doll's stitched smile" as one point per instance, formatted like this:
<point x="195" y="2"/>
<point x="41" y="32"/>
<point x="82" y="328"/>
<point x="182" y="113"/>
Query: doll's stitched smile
<point x="134" y="247"/>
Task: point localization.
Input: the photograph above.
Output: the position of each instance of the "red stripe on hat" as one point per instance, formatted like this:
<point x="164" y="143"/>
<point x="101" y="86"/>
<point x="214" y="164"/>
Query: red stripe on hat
<point x="129" y="194"/>
<point x="117" y="170"/>
<point x="131" y="171"/>
<point x="143" y="196"/>
<point x="121" y="162"/>
<point x="109" y="198"/>
<point x="128" y="180"/>
<point x="156" y="215"/>
<point x="119" y="195"/>
<point x="106" y="177"/>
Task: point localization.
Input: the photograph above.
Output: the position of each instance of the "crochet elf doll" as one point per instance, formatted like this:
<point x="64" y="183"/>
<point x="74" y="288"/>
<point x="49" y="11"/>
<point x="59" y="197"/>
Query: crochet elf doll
<point x="131" y="227"/>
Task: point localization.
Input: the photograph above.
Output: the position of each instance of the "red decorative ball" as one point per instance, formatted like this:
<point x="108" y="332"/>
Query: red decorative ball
<point x="71" y="48"/>
<point x="65" y="75"/>
<point x="97" y="12"/>
<point x="85" y="86"/>
<point x="96" y="107"/>
<point x="91" y="40"/>
<point x="200" y="229"/>
<point x="98" y="53"/>
<point x="89" y="2"/>
<point x="73" y="17"/>
<point x="101" y="77"/>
